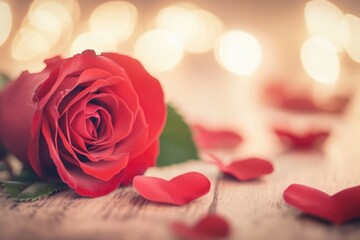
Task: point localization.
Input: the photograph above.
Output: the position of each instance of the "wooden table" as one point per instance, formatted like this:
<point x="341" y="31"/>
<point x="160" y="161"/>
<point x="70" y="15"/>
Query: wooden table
<point x="255" y="209"/>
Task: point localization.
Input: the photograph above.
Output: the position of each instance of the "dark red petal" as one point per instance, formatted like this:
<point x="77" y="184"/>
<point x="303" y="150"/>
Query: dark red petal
<point x="341" y="207"/>
<point x="209" y="227"/>
<point x="35" y="145"/>
<point x="213" y="139"/>
<point x="17" y="111"/>
<point x="139" y="164"/>
<point x="310" y="139"/>
<point x="148" y="89"/>
<point x="38" y="145"/>
<point x="178" y="191"/>
<point x="245" y="169"/>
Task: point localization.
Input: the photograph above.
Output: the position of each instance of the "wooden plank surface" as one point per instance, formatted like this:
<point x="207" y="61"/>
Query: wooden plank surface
<point x="255" y="209"/>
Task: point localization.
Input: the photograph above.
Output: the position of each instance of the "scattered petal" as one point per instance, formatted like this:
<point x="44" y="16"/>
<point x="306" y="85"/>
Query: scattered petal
<point x="294" y="98"/>
<point x="338" y="208"/>
<point x="215" y="139"/>
<point x="210" y="227"/>
<point x="245" y="169"/>
<point x="178" y="191"/>
<point x="307" y="140"/>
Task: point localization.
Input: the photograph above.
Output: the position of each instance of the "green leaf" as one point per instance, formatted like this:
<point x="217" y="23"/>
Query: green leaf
<point x="176" y="143"/>
<point x="3" y="80"/>
<point x="27" y="187"/>
<point x="23" y="191"/>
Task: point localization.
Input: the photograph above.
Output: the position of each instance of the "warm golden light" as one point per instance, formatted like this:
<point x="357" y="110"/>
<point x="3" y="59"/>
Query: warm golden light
<point x="73" y="7"/>
<point x="180" y="20"/>
<point x="51" y="19"/>
<point x="159" y="50"/>
<point x="320" y="60"/>
<point x="239" y="52"/>
<point x="323" y="19"/>
<point x="118" y="18"/>
<point x="29" y="44"/>
<point x="198" y="29"/>
<point x="350" y="36"/>
<point x="49" y="16"/>
<point x="5" y="22"/>
<point x="208" y="30"/>
<point x="98" y="41"/>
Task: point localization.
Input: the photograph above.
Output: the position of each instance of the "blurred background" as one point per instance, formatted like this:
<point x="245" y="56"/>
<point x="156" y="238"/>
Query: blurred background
<point x="247" y="66"/>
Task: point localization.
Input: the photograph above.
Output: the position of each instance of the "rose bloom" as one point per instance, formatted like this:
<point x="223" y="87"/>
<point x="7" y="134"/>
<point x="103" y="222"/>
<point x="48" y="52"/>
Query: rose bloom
<point x="93" y="120"/>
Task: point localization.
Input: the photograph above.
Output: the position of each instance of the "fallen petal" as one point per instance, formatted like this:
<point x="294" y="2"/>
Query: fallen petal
<point x="215" y="139"/>
<point x="245" y="169"/>
<point x="211" y="226"/>
<point x="338" y="208"/>
<point x="307" y="140"/>
<point x="178" y="191"/>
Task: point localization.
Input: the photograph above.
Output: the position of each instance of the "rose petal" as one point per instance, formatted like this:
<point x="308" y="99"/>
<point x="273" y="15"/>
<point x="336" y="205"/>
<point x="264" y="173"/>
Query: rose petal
<point x="81" y="182"/>
<point x="139" y="164"/>
<point x="293" y="99"/>
<point x="338" y="208"/>
<point x="212" y="139"/>
<point x="136" y="141"/>
<point x="74" y="65"/>
<point x="115" y="86"/>
<point x="106" y="166"/>
<point x="311" y="139"/>
<point x="17" y="112"/>
<point x="105" y="170"/>
<point x="122" y="117"/>
<point x="178" y="191"/>
<point x="245" y="169"/>
<point x="211" y="226"/>
<point x="148" y="89"/>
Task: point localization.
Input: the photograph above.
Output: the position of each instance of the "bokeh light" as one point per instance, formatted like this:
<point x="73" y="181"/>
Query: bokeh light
<point x="159" y="50"/>
<point x="239" y="52"/>
<point x="98" y="41"/>
<point x="5" y="22"/>
<point x="29" y="44"/>
<point x="117" y="17"/>
<point x="49" y="16"/>
<point x="323" y="19"/>
<point x="350" y="36"/>
<point x="208" y="30"/>
<point x="198" y="29"/>
<point x="320" y="60"/>
<point x="47" y="26"/>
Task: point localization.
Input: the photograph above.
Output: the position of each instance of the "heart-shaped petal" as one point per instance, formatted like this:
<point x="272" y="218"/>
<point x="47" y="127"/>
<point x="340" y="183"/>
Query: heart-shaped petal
<point x="245" y="169"/>
<point x="215" y="139"/>
<point x="307" y="140"/>
<point x="210" y="227"/>
<point x="338" y="208"/>
<point x="178" y="191"/>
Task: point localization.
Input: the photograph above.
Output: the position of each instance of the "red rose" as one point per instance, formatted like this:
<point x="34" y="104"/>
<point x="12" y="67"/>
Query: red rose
<point x="93" y="120"/>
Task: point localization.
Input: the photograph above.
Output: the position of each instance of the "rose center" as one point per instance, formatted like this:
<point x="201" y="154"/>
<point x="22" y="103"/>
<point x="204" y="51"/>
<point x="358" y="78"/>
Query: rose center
<point x="92" y="125"/>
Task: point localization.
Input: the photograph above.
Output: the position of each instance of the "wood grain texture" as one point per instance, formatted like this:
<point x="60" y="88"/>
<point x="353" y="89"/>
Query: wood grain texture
<point x="255" y="209"/>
